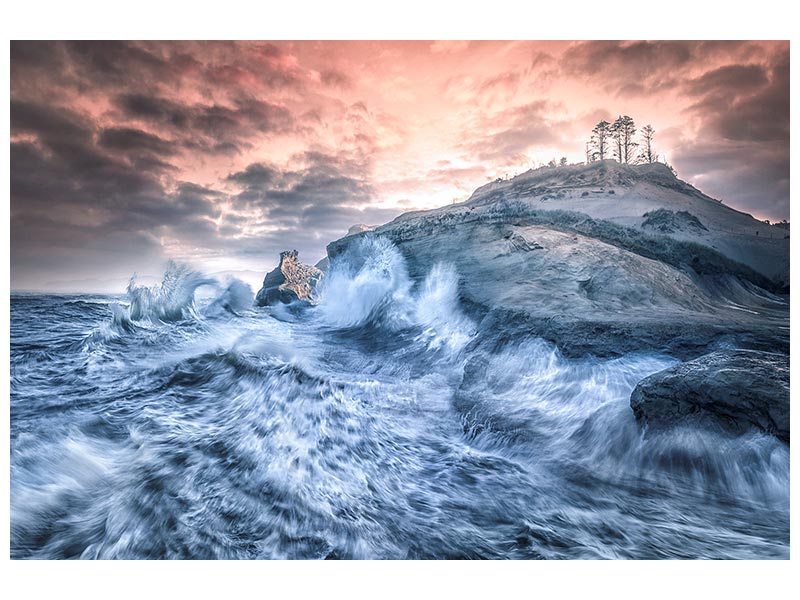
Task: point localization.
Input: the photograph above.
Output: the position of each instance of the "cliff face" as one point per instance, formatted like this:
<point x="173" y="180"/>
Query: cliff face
<point x="563" y="253"/>
<point x="290" y="281"/>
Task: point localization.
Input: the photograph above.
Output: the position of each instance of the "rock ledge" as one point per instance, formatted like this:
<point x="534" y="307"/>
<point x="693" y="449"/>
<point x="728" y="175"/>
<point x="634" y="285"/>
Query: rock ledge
<point x="737" y="389"/>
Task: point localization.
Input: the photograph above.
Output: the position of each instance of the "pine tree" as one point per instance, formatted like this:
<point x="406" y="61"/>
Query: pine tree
<point x="599" y="141"/>
<point x="616" y="137"/>
<point x="622" y="132"/>
<point x="648" y="154"/>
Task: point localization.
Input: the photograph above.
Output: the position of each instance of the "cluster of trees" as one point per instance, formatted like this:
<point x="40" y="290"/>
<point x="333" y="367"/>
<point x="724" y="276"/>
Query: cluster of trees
<point x="783" y="224"/>
<point x="618" y="140"/>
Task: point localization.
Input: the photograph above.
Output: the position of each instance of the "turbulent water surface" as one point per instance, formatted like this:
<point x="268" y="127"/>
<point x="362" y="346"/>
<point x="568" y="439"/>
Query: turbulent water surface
<point x="180" y="422"/>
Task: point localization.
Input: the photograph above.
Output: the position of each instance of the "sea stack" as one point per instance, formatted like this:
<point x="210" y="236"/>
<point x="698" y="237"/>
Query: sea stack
<point x="290" y="281"/>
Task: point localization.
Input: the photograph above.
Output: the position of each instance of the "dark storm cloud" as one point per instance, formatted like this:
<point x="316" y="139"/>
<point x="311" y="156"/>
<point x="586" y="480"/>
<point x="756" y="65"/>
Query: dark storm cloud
<point x="742" y="153"/>
<point x="145" y="82"/>
<point x="632" y="57"/>
<point x="80" y="67"/>
<point x="107" y="193"/>
<point x="336" y="78"/>
<point x="116" y="61"/>
<point x="729" y="79"/>
<point x="78" y="186"/>
<point x="64" y="215"/>
<point x="323" y="198"/>
<point x="65" y="160"/>
<point x="255" y="175"/>
<point x="246" y="115"/>
<point x="193" y="189"/>
<point x="743" y="105"/>
<point x="38" y="67"/>
<point x="51" y="124"/>
<point x="114" y="64"/>
<point x="213" y="128"/>
<point x="153" y="165"/>
<point x="153" y="108"/>
<point x="33" y="53"/>
<point x="75" y="188"/>
<point x="325" y="180"/>
<point x="627" y="65"/>
<point x="131" y="140"/>
<point x="750" y="176"/>
<point x="644" y="67"/>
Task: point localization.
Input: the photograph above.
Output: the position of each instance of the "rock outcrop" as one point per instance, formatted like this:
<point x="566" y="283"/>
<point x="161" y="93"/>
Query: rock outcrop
<point x="737" y="389"/>
<point x="290" y="281"/>
<point x="538" y="256"/>
<point x="667" y="221"/>
<point x="323" y="264"/>
<point x="359" y="228"/>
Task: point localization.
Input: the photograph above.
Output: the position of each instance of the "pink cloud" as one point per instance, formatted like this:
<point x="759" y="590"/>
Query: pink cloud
<point x="402" y="123"/>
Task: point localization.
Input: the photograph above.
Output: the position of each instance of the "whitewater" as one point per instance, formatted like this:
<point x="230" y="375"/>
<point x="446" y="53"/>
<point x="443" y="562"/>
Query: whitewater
<point x="179" y="421"/>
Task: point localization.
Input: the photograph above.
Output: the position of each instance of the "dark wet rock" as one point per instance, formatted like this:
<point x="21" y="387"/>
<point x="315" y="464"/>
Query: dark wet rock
<point x="290" y="281"/>
<point x="737" y="389"/>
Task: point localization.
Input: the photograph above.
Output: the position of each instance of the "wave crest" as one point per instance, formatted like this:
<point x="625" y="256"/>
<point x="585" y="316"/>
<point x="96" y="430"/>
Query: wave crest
<point x="367" y="284"/>
<point x="370" y="285"/>
<point x="168" y="301"/>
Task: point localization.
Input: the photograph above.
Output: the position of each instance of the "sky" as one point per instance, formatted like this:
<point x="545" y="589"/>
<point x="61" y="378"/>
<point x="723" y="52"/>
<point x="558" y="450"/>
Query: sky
<point x="222" y="154"/>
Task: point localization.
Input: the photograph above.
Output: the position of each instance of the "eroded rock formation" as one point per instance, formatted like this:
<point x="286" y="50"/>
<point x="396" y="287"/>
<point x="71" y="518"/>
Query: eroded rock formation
<point x="290" y="281"/>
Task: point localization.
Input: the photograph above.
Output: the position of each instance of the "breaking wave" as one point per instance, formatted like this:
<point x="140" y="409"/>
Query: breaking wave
<point x="168" y="301"/>
<point x="173" y="300"/>
<point x="370" y="285"/>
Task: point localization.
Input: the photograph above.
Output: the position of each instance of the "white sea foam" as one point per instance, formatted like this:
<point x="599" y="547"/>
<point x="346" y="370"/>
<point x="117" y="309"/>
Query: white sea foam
<point x="370" y="283"/>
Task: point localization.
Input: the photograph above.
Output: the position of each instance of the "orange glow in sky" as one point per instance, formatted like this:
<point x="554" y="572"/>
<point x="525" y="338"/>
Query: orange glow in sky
<point x="226" y="153"/>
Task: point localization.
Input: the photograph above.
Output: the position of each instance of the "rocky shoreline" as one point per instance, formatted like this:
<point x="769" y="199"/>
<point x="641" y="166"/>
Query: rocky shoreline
<point x="597" y="284"/>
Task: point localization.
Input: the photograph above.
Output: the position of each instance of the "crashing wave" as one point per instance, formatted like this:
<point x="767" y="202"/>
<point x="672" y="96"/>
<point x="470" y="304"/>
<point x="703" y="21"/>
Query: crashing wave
<point x="370" y="284"/>
<point x="437" y="311"/>
<point x="234" y="298"/>
<point x="367" y="284"/>
<point x="174" y="298"/>
<point x="169" y="301"/>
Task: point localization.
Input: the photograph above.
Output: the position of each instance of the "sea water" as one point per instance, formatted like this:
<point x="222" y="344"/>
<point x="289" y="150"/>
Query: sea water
<point x="178" y="421"/>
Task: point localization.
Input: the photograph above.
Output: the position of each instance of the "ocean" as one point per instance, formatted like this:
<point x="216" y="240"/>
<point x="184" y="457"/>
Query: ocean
<point x="180" y="422"/>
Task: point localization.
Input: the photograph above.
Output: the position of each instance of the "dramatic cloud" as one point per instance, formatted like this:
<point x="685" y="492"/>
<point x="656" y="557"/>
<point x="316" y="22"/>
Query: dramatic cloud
<point x="746" y="103"/>
<point x="321" y="198"/>
<point x="510" y="133"/>
<point x="730" y="79"/>
<point x="208" y="127"/>
<point x="126" y="154"/>
<point x="647" y="67"/>
<point x="135" y="141"/>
